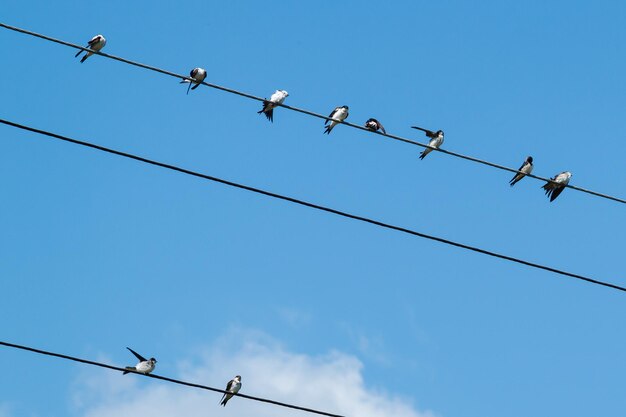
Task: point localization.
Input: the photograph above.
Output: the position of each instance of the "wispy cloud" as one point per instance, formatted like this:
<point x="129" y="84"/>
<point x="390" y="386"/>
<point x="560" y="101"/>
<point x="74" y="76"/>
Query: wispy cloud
<point x="332" y="382"/>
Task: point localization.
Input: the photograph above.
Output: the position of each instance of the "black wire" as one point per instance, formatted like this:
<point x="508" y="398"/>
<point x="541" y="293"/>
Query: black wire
<point x="310" y="113"/>
<point x="164" y="378"/>
<point x="314" y="206"/>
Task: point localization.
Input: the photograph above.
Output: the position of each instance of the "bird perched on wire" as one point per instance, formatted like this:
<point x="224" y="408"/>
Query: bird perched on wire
<point x="233" y="387"/>
<point x="197" y="75"/>
<point x="145" y="366"/>
<point x="555" y="186"/>
<point x="525" y="169"/>
<point x="436" y="140"/>
<point x="95" y="44"/>
<point x="338" y="115"/>
<point x="278" y="97"/>
<point x="374" y="125"/>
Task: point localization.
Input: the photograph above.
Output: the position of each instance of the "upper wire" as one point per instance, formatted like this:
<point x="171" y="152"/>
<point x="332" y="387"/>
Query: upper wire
<point x="307" y="112"/>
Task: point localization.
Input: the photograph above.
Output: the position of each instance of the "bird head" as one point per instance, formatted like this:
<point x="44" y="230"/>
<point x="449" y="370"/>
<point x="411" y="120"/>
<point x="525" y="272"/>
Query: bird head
<point x="529" y="159"/>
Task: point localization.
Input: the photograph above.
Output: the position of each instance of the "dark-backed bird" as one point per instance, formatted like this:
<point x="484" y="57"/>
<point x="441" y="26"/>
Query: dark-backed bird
<point x="197" y="75"/>
<point x="525" y="169"/>
<point x="95" y="44"/>
<point x="374" y="125"/>
<point x="233" y="387"/>
<point x="145" y="366"/>
<point x="269" y="105"/>
<point x="338" y="115"/>
<point x="436" y="140"/>
<point x="555" y="186"/>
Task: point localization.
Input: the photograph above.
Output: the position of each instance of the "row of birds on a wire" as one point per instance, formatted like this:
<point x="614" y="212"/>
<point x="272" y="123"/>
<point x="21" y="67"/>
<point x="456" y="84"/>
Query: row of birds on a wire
<point x="146" y="366"/>
<point x="553" y="187"/>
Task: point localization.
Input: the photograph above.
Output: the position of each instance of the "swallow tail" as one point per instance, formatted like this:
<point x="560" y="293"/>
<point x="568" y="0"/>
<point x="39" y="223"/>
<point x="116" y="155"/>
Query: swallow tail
<point x="328" y="129"/>
<point x="78" y="53"/>
<point x="515" y="179"/>
<point x="130" y="368"/>
<point x="555" y="193"/>
<point x="195" y="86"/>
<point x="424" y="153"/>
<point x="87" y="55"/>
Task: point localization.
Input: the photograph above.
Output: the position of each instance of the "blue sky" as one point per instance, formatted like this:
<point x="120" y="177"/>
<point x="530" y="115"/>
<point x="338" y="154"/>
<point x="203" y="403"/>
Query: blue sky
<point x="100" y="253"/>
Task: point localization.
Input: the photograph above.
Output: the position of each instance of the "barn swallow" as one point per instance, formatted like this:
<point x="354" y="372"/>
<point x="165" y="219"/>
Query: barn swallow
<point x="436" y="140"/>
<point x="525" y="169"/>
<point x="268" y="105"/>
<point x="374" y="125"/>
<point x="338" y="115"/>
<point x="144" y="366"/>
<point x="233" y="387"/>
<point x="557" y="184"/>
<point x="95" y="44"/>
<point x="198" y="75"/>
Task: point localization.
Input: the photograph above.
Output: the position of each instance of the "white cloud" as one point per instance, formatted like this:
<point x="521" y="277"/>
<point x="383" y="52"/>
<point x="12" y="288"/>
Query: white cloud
<point x="331" y="382"/>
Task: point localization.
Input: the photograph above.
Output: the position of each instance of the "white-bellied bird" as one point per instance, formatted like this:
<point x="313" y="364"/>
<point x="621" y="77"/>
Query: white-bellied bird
<point x="95" y="44"/>
<point x="145" y="366"/>
<point x="269" y="105"/>
<point x="197" y="75"/>
<point x="338" y="115"/>
<point x="436" y="140"/>
<point x="555" y="186"/>
<point x="525" y="169"/>
<point x="233" y="387"/>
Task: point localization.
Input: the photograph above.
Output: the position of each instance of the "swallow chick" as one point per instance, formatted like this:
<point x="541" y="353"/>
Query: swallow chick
<point x="233" y="387"/>
<point x="525" y="169"/>
<point x="145" y="366"/>
<point x="374" y="125"/>
<point x="197" y="75"/>
<point x="95" y="44"/>
<point x="436" y="140"/>
<point x="338" y="115"/>
<point x="269" y="105"/>
<point x="557" y="184"/>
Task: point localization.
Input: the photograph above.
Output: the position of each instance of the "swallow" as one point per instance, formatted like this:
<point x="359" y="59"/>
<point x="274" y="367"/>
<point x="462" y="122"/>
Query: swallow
<point x="374" y="125"/>
<point x="95" y="44"/>
<point x="144" y="366"/>
<point x="338" y="115"/>
<point x="436" y="140"/>
<point x="233" y="387"/>
<point x="268" y="105"/>
<point x="197" y="75"/>
<point x="525" y="169"/>
<point x="557" y="184"/>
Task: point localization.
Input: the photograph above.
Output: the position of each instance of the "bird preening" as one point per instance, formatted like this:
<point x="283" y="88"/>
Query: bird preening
<point x="436" y="140"/>
<point x="145" y="366"/>
<point x="197" y="75"/>
<point x="338" y="115"/>
<point x="525" y="169"/>
<point x="233" y="387"/>
<point x="555" y="186"/>
<point x="276" y="99"/>
<point x="374" y="125"/>
<point x="95" y="44"/>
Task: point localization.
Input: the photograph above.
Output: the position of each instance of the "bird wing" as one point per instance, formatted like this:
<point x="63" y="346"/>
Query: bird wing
<point x="137" y="355"/>
<point x="331" y="115"/>
<point x="230" y="384"/>
<point x="429" y="133"/>
<point x="93" y="40"/>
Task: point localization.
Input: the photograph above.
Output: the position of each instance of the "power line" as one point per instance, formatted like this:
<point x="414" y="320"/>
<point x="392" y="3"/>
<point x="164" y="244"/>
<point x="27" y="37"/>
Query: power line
<point x="307" y="112"/>
<point x="314" y="206"/>
<point x="164" y="378"/>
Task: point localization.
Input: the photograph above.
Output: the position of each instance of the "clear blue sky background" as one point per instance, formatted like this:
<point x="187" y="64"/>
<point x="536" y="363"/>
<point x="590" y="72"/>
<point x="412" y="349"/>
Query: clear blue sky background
<point x="98" y="253"/>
